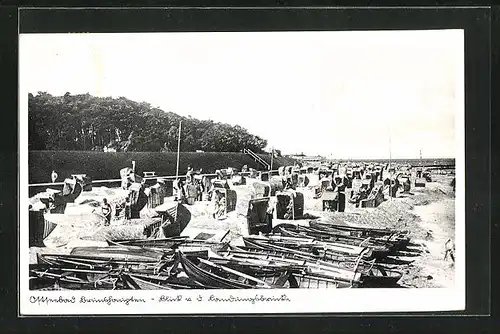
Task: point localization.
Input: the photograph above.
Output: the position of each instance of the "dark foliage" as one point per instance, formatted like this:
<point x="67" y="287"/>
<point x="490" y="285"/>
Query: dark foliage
<point x="85" y="123"/>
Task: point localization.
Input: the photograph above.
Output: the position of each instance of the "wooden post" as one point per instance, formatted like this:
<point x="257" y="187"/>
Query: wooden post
<point x="178" y="149"/>
<point x="272" y="156"/>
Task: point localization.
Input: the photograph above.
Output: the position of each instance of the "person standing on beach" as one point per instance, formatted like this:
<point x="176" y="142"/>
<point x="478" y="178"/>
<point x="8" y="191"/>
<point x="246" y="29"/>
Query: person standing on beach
<point x="180" y="194"/>
<point x="199" y="187"/>
<point x="189" y="175"/>
<point x="340" y="189"/>
<point x="54" y="176"/>
<point x="106" y="211"/>
<point x="128" y="209"/>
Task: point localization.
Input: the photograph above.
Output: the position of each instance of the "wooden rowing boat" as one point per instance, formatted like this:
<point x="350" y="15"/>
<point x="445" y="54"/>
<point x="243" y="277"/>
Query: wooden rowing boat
<point x="307" y="231"/>
<point x="311" y="245"/>
<point x="199" y="245"/>
<point x="137" y="283"/>
<point x="357" y="230"/>
<point x="378" y="277"/>
<point x="399" y="238"/>
<point x="286" y="258"/>
<point x="44" y="277"/>
<point x="325" y="255"/>
<point x="298" y="278"/>
<point x="121" y="253"/>
<point x="380" y="249"/>
<point x="283" y="252"/>
<point x="334" y="266"/>
<point x="85" y="272"/>
<point x="171" y="242"/>
<point x="98" y="279"/>
<point x="214" y="275"/>
<point x="372" y="274"/>
<point x="307" y="281"/>
<point x="218" y="277"/>
<point x="325" y="274"/>
<point x="103" y="263"/>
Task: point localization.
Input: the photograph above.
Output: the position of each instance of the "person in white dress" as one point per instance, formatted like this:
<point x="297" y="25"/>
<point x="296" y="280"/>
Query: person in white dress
<point x="54" y="176"/>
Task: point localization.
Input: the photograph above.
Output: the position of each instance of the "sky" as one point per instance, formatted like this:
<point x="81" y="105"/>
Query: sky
<point x="337" y="94"/>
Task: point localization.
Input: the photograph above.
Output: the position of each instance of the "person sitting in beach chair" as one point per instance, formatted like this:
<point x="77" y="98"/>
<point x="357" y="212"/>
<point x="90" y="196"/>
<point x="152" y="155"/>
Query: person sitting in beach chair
<point x="119" y="207"/>
<point x="219" y="204"/>
<point x="359" y="195"/>
<point x="419" y="172"/>
<point x="106" y="210"/>
<point x="288" y="183"/>
<point x="363" y="194"/>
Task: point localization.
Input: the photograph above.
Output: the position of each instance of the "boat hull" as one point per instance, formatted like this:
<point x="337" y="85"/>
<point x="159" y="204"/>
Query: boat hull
<point x="39" y="228"/>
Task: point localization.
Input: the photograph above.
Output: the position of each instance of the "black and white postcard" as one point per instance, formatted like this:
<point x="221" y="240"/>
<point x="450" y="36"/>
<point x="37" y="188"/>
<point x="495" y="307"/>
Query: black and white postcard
<point x="242" y="172"/>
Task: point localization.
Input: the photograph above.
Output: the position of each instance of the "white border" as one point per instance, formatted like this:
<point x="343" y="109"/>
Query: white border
<point x="300" y="301"/>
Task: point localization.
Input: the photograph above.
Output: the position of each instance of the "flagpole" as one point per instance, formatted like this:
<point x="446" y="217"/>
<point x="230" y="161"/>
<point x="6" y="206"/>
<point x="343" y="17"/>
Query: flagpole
<point x="178" y="150"/>
<point x="390" y="149"/>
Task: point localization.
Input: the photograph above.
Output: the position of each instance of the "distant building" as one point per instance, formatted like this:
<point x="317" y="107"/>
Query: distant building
<point x="308" y="159"/>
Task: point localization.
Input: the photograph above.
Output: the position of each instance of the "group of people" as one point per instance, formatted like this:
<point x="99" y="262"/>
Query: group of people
<point x="194" y="184"/>
<point x="107" y="211"/>
<point x="182" y="191"/>
<point x="196" y="187"/>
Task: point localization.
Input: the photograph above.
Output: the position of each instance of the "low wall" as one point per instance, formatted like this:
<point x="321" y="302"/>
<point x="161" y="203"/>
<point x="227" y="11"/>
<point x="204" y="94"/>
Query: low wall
<point x="107" y="165"/>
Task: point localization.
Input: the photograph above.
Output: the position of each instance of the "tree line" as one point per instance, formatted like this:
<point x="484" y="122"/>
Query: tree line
<point x="84" y="122"/>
